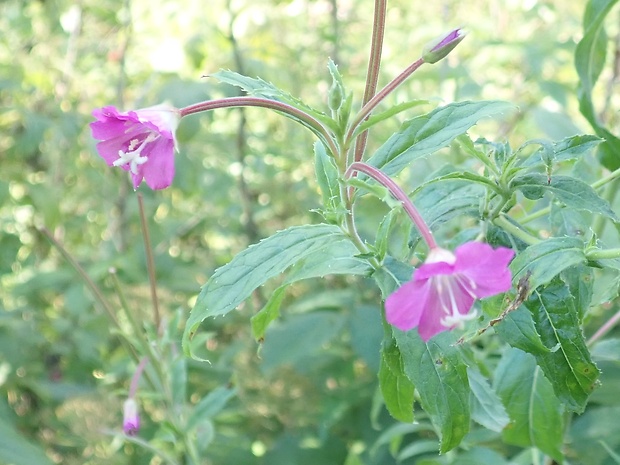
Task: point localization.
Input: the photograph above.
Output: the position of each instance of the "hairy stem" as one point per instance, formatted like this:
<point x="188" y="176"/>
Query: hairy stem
<point x="398" y="194"/>
<point x="374" y="65"/>
<point x="289" y="110"/>
<point x="150" y="264"/>
<point x="378" y="98"/>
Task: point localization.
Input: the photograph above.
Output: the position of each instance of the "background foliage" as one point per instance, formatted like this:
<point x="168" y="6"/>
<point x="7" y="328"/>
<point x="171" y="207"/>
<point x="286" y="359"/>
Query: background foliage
<point x="309" y="395"/>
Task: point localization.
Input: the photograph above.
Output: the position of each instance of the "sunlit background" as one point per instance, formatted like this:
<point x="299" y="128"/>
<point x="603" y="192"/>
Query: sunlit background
<point x="241" y="176"/>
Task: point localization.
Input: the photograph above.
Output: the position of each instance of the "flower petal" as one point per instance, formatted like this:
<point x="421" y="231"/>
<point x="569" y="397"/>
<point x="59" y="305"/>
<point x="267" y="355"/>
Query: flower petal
<point x="430" y="321"/>
<point x="163" y="118"/>
<point x="444" y="301"/>
<point x="405" y="306"/>
<point x="485" y="266"/>
<point x="428" y="270"/>
<point x="158" y="172"/>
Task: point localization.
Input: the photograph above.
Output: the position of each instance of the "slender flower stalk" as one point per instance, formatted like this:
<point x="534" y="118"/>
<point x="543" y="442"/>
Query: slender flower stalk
<point x="94" y="289"/>
<point x="288" y="110"/>
<point x="435" y="52"/>
<point x="378" y="98"/>
<point x="150" y="264"/>
<point x="399" y="194"/>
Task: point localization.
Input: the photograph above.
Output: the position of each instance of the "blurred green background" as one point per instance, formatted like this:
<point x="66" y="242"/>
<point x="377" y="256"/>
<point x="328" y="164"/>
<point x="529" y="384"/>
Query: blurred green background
<point x="309" y="395"/>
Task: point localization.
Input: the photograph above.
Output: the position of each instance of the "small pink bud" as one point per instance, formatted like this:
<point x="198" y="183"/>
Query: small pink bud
<point x="439" y="48"/>
<point x="131" y="419"/>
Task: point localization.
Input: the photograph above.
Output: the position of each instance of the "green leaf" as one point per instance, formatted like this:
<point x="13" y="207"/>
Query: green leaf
<point x="391" y="275"/>
<point x="418" y="447"/>
<point x="327" y="178"/>
<point x="339" y="257"/>
<point x="16" y="450"/>
<point x="396" y="109"/>
<point x="547" y="259"/>
<point x="517" y="329"/>
<point x="571" y="191"/>
<point x="568" y="365"/>
<point x="234" y="282"/>
<point x="439" y="374"/>
<point x="261" y="88"/>
<point x="569" y="148"/>
<point x="396" y="388"/>
<point x="487" y="409"/>
<point x="428" y="133"/>
<point x="590" y="55"/>
<point x="270" y="312"/>
<point x="335" y="258"/>
<point x="446" y="196"/>
<point x="580" y="282"/>
<point x="383" y="233"/>
<point x="534" y="410"/>
<point x="336" y="94"/>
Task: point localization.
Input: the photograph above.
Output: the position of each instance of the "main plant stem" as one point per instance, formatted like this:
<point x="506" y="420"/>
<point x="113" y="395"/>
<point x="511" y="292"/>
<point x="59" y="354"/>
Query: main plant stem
<point x="374" y="65"/>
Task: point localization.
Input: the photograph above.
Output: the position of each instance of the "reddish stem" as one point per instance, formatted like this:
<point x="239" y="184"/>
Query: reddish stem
<point x="399" y="194"/>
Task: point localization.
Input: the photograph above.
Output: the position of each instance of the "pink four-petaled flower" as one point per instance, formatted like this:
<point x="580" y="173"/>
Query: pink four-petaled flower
<point x="141" y="142"/>
<point x="442" y="290"/>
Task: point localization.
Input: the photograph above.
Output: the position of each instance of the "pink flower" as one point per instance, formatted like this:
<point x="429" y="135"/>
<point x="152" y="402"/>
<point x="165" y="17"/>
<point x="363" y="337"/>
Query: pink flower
<point x="131" y="419"/>
<point x="443" y="289"/>
<point x="141" y="142"/>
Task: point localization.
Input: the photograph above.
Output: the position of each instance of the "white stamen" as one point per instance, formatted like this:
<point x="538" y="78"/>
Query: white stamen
<point x="453" y="317"/>
<point x="467" y="284"/>
<point x="458" y="319"/>
<point x="133" y="153"/>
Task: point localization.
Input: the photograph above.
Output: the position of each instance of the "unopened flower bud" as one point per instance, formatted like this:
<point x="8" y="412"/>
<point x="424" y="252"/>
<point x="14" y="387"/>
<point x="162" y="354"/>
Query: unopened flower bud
<point x="131" y="419"/>
<point x="335" y="96"/>
<point x="439" y="48"/>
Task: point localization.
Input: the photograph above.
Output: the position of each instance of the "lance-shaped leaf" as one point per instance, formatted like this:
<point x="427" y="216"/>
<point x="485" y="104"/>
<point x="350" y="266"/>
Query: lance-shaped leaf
<point x="377" y="118"/>
<point x="428" y="133"/>
<point x="327" y="178"/>
<point x="396" y="388"/>
<point x="517" y="329"/>
<point x="571" y="191"/>
<point x="439" y="374"/>
<point x="590" y="55"/>
<point x="234" y="282"/>
<point x="260" y="88"/>
<point x="338" y="257"/>
<point x="569" y="148"/>
<point x="535" y="412"/>
<point x="487" y="409"/>
<point x="547" y="259"/>
<point x="568" y="366"/>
